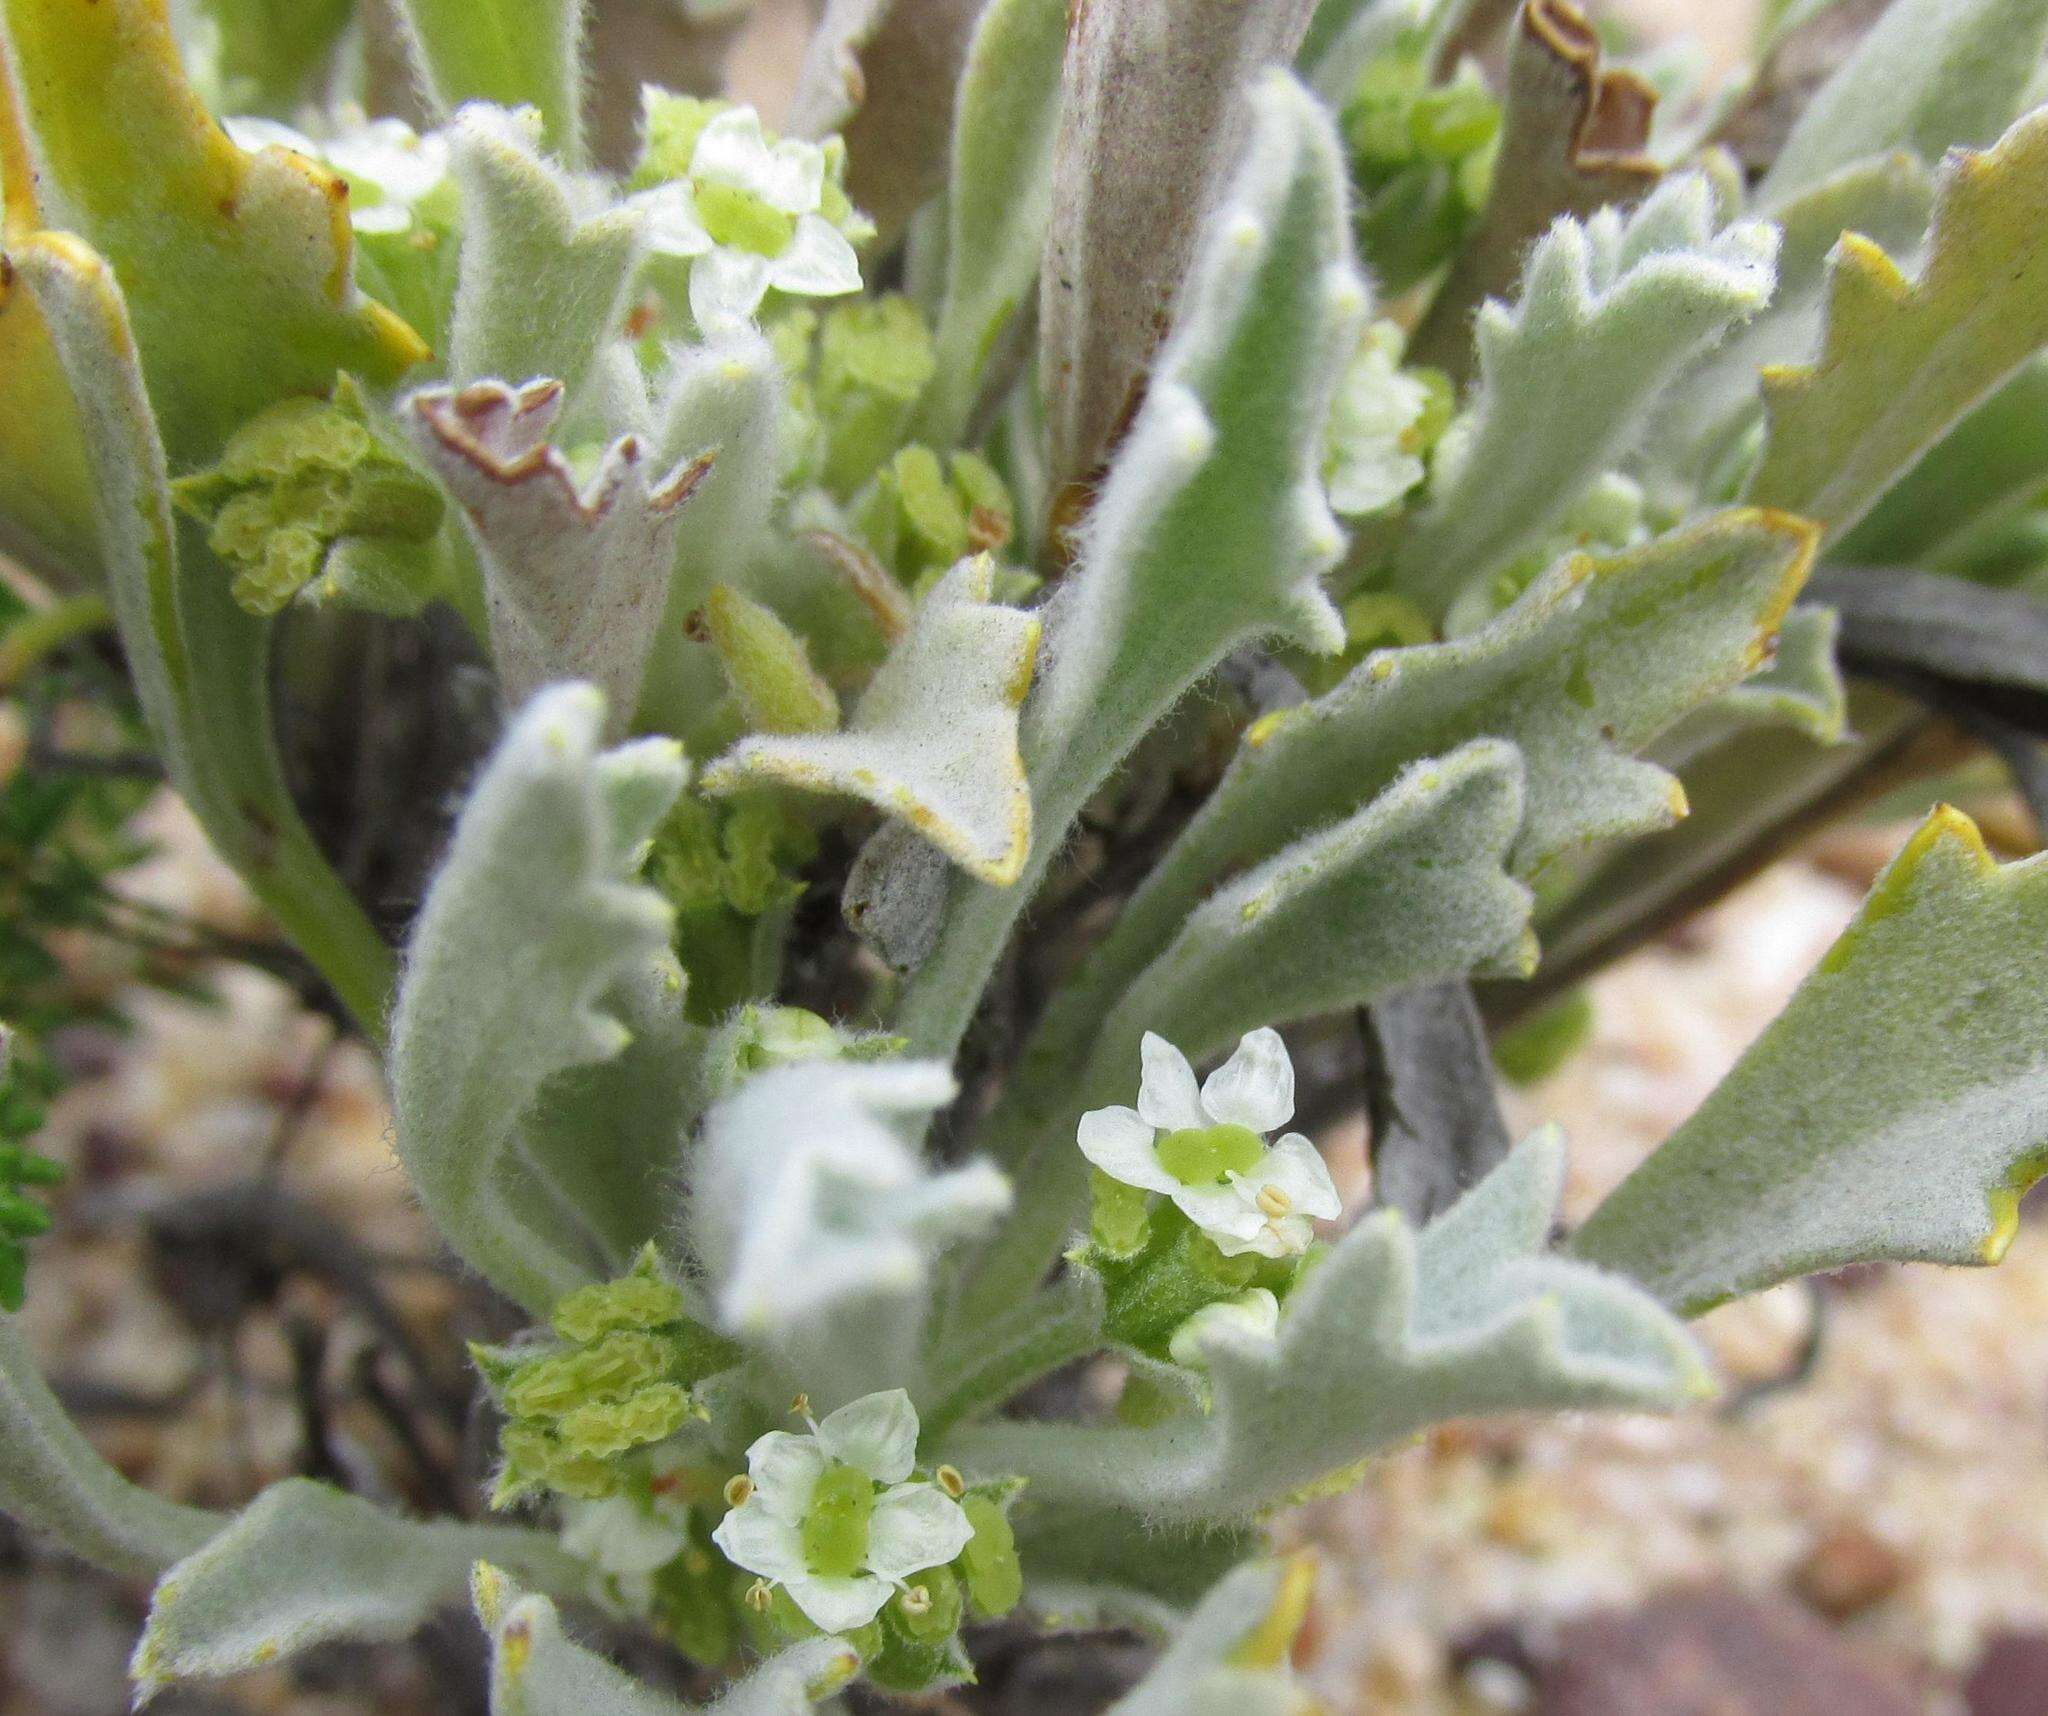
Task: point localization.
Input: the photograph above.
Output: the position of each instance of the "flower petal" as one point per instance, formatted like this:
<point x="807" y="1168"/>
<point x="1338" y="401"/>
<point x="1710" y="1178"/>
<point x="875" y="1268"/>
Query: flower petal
<point x="838" y="1605"/>
<point x="1297" y="1168"/>
<point x="1120" y="1144"/>
<point x="732" y="150"/>
<point x="1255" y="1087"/>
<point x="752" y="1537"/>
<point x="876" y="1434"/>
<point x="726" y="287"/>
<point x="915" y="1526"/>
<point x="1222" y="1212"/>
<point x="620" y="1536"/>
<point x="817" y="262"/>
<point x="1167" y="1097"/>
<point x="669" y="220"/>
<point x="785" y="1470"/>
<point x="798" y="182"/>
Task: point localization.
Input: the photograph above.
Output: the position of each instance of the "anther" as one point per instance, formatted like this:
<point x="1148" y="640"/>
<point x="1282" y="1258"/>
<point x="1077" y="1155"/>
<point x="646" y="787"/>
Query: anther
<point x="1274" y="1201"/>
<point x="737" y="1489"/>
<point x="949" y="1479"/>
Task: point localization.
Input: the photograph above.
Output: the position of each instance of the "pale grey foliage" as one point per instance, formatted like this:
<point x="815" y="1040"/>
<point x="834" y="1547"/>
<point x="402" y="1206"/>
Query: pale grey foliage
<point x="1393" y="1330"/>
<point x="531" y="921"/>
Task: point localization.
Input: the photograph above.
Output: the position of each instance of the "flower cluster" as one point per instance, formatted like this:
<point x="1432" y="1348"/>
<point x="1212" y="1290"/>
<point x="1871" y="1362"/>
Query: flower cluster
<point x="1206" y="1149"/>
<point x="747" y="212"/>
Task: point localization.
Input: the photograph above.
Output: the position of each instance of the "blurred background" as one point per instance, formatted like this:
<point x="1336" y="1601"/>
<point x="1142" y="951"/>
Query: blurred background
<point x="238" y="1288"/>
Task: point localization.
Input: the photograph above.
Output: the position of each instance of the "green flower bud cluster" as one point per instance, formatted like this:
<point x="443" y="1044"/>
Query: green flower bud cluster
<point x="1159" y="1269"/>
<point x="757" y="1038"/>
<point x="295" y="480"/>
<point x="616" y="1380"/>
<point x="728" y="867"/>
<point x="855" y="373"/>
<point x="21" y="1218"/>
<point x="1421" y="160"/>
<point x="921" y="514"/>
<point x="913" y="1645"/>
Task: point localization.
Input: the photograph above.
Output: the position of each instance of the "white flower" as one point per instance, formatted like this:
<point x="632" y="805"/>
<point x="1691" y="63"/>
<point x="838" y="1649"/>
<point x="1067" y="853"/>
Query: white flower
<point x="388" y="165"/>
<point x="1206" y="1150"/>
<point x="833" y="1517"/>
<point x="747" y="216"/>
<point x="1369" y="464"/>
<point x="1254" y="1315"/>
<point x="621" y="1535"/>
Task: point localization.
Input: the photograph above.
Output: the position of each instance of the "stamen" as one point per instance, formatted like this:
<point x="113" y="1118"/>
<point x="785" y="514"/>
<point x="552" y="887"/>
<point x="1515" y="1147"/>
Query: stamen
<point x="759" y="1596"/>
<point x="800" y="1406"/>
<point x="737" y="1489"/>
<point x="916" y="1600"/>
<point x="949" y="1479"/>
<point x="1274" y="1201"/>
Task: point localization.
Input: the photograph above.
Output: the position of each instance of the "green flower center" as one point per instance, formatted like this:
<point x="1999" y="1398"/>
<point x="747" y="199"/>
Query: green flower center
<point x="739" y="220"/>
<point x="835" y="1527"/>
<point x="1202" y="1155"/>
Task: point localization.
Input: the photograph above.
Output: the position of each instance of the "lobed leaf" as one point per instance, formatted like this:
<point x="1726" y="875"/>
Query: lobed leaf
<point x="1210" y="532"/>
<point x="546" y="261"/>
<point x="199" y="662"/>
<point x="1390" y="1332"/>
<point x="575" y="575"/>
<point x="1599" y="656"/>
<point x="1926" y="76"/>
<point x="1611" y="312"/>
<point x="1903" y="361"/>
<point x="1231" y="1657"/>
<point x="1573" y="140"/>
<point x="54" y="1481"/>
<point x="532" y="920"/>
<point x="804" y="1162"/>
<point x="998" y="199"/>
<point x="304" y="1564"/>
<point x="538" y="1670"/>
<point x="934" y="738"/>
<point x="1896" y="1109"/>
<point x="1432" y="1114"/>
<point x="235" y="267"/>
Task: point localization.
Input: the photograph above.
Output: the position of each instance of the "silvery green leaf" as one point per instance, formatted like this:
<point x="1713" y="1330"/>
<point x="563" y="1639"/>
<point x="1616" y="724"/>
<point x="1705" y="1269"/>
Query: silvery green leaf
<point x="1801" y="686"/>
<point x="1897" y="1108"/>
<point x="546" y="259"/>
<point x="199" y="662"/>
<point x="531" y="921"/>
<point x="303" y="1564"/>
<point x="641" y="1104"/>
<point x="1223" y="1662"/>
<point x="1574" y="136"/>
<point x="1949" y="631"/>
<point x="1098" y="1567"/>
<point x="1698" y="426"/>
<point x="829" y="83"/>
<point x="725" y="399"/>
<point x="514" y="53"/>
<point x="1928" y="75"/>
<point x="1387" y="1334"/>
<point x="1598" y="657"/>
<point x="576" y="575"/>
<point x="53" y="1480"/>
<point x="1611" y="312"/>
<point x="1410" y="889"/>
<point x="1982" y="470"/>
<point x="1904" y="360"/>
<point x="998" y="198"/>
<point x="537" y="1669"/>
<point x="933" y="740"/>
<point x="818" y="1225"/>
<point x="1211" y="530"/>
<point x="1153" y="117"/>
